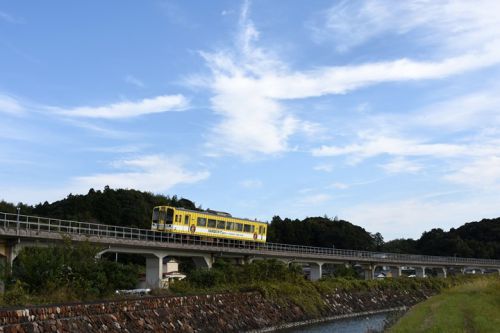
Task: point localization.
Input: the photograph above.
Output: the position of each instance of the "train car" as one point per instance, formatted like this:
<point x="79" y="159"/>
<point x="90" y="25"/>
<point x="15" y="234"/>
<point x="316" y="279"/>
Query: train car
<point x="209" y="223"/>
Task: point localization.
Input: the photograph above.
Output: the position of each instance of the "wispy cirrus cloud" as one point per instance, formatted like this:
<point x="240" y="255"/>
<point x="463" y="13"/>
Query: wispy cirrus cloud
<point x="10" y="105"/>
<point x="480" y="173"/>
<point x="401" y="165"/>
<point x="6" y="17"/>
<point x="251" y="183"/>
<point x="447" y="25"/>
<point x="127" y="109"/>
<point x="130" y="79"/>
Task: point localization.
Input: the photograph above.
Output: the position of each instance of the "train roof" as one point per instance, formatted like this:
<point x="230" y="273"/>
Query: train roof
<point x="213" y="213"/>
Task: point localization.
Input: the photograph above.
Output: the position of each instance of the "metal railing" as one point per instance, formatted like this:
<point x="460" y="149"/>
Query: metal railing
<point x="32" y="226"/>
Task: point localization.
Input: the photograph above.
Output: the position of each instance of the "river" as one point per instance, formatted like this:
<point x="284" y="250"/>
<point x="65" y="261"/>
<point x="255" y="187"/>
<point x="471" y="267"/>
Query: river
<point x="362" y="324"/>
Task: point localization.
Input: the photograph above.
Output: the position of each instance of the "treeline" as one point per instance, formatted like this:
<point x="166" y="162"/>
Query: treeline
<point x="322" y="231"/>
<point x="128" y="208"/>
<point x="133" y="208"/>
<point x="475" y="239"/>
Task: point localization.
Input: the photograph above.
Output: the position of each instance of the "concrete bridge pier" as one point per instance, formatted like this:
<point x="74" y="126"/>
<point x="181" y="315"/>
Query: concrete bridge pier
<point x="420" y="271"/>
<point x="205" y="261"/>
<point x="154" y="270"/>
<point x="441" y="272"/>
<point x="316" y="271"/>
<point x="395" y="271"/>
<point x="369" y="272"/>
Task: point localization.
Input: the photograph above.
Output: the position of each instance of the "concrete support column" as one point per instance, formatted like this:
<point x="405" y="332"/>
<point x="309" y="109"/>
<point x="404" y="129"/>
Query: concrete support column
<point x="441" y="272"/>
<point x="316" y="271"/>
<point x="395" y="271"/>
<point x="154" y="271"/>
<point x="420" y="271"/>
<point x="369" y="272"/>
<point x="204" y="261"/>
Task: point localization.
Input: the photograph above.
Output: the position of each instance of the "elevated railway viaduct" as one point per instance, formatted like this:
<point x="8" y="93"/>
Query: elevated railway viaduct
<point x="18" y="231"/>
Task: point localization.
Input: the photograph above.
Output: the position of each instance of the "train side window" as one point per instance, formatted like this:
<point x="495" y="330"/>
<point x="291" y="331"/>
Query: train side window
<point x="221" y="225"/>
<point x="211" y="223"/>
<point x="229" y="225"/>
<point x="202" y="222"/>
<point x="260" y="230"/>
<point x="186" y="219"/>
<point x="239" y="227"/>
<point x="264" y="230"/>
<point x="247" y="228"/>
<point x="252" y="228"/>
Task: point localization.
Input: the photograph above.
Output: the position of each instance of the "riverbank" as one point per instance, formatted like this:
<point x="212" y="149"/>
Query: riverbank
<point x="471" y="307"/>
<point x="221" y="312"/>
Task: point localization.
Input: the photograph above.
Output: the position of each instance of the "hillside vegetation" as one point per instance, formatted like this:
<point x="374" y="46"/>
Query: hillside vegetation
<point x="133" y="208"/>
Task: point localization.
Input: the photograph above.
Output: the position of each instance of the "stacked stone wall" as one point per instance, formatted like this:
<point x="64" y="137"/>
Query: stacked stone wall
<point x="235" y="312"/>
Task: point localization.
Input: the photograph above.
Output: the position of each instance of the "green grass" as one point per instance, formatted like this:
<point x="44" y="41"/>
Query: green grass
<point x="471" y="307"/>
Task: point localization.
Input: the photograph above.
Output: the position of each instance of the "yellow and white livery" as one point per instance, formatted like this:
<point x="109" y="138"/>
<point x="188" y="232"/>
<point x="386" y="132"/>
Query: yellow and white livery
<point x="207" y="224"/>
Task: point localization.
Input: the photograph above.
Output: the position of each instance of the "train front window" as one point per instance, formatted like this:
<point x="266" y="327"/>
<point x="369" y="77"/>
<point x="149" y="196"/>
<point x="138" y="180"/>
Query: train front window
<point x="156" y="215"/>
<point x="170" y="216"/>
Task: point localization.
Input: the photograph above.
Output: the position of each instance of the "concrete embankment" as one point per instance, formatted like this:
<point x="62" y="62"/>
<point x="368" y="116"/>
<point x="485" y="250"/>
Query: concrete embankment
<point x="234" y="312"/>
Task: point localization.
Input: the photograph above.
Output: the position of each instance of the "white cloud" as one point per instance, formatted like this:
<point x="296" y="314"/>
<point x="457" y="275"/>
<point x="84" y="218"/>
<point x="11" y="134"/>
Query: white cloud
<point x="127" y="109"/>
<point x="452" y="25"/>
<point x="477" y="109"/>
<point x="374" y="144"/>
<point x="249" y="83"/>
<point x="324" y="167"/>
<point x="339" y="186"/>
<point x="154" y="173"/>
<point x="10" y="105"/>
<point x="315" y="199"/>
<point x="481" y="173"/>
<point x="401" y="165"/>
<point x="134" y="81"/>
<point x="251" y="183"/>
<point x="409" y="218"/>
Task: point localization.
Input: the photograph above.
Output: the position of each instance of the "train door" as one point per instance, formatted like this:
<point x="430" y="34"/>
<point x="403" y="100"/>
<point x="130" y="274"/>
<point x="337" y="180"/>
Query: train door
<point x="169" y="217"/>
<point x="187" y="220"/>
<point x="155" y="219"/>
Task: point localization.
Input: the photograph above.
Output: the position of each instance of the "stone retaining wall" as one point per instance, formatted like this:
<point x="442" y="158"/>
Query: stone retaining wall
<point x="208" y="313"/>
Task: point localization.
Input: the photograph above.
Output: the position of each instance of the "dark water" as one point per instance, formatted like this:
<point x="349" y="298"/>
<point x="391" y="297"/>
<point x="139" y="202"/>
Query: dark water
<point x="352" y="325"/>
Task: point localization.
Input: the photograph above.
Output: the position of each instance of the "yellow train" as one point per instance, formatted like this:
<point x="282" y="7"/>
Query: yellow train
<point x="208" y="223"/>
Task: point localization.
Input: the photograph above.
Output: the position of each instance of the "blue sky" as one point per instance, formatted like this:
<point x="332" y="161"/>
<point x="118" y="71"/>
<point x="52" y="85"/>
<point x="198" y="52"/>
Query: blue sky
<point x="383" y="113"/>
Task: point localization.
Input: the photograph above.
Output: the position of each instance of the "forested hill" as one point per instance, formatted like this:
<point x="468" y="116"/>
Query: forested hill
<point x="129" y="208"/>
<point x="133" y="209"/>
<point x="475" y="239"/>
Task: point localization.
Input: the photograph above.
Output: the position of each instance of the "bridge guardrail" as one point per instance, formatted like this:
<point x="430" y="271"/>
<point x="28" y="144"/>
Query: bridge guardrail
<point x="27" y="223"/>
